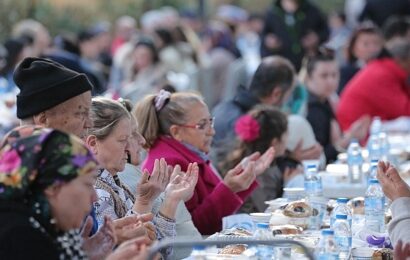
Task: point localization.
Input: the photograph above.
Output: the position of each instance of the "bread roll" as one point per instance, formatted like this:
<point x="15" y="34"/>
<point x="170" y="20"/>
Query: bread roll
<point x="232" y="250"/>
<point x="297" y="209"/>
<point x="286" y="230"/>
<point x="357" y="205"/>
<point x="383" y="254"/>
<point x="237" y="232"/>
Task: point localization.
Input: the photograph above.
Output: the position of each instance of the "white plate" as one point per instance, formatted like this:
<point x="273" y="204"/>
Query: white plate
<point x="261" y="217"/>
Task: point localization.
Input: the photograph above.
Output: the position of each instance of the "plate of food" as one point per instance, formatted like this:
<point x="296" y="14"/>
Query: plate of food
<point x="231" y="234"/>
<point x="295" y="213"/>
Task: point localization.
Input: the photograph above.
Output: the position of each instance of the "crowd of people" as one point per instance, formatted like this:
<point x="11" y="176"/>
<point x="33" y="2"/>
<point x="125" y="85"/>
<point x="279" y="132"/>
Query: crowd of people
<point x="161" y="128"/>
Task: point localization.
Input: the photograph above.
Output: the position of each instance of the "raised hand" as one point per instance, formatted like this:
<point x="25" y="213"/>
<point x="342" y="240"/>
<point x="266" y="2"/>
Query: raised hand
<point x="130" y="227"/>
<point x="241" y="177"/>
<point x="360" y="127"/>
<point x="151" y="185"/>
<point x="401" y="252"/>
<point x="182" y="185"/>
<point x="150" y="229"/>
<point x="135" y="249"/>
<point x="311" y="153"/>
<point x="101" y="243"/>
<point x="392" y="184"/>
<point x="181" y="188"/>
<point x="262" y="162"/>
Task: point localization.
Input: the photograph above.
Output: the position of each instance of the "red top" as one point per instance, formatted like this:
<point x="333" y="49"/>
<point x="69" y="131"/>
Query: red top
<point x="380" y="89"/>
<point x="212" y="199"/>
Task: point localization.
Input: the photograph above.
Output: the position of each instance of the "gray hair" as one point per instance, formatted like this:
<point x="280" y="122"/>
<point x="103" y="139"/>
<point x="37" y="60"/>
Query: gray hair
<point x="27" y="121"/>
<point x="105" y="114"/>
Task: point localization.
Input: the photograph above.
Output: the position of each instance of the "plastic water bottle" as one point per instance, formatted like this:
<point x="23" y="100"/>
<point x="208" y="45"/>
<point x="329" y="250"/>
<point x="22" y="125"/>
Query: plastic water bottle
<point x="376" y="126"/>
<point x="198" y="253"/>
<point x="318" y="204"/>
<point x="384" y="147"/>
<point x="372" y="170"/>
<point x="343" y="235"/>
<point x="373" y="144"/>
<point x="263" y="233"/>
<point x="327" y="248"/>
<point x="341" y="209"/>
<point x="313" y="182"/>
<point x="374" y="207"/>
<point x="355" y="162"/>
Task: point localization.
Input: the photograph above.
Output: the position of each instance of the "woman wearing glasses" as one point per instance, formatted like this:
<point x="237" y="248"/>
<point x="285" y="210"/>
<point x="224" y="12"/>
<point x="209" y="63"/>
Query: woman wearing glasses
<point x="179" y="128"/>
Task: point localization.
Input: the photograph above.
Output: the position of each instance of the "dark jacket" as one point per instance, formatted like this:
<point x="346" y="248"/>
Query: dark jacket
<point x="379" y="10"/>
<point x="347" y="72"/>
<point x="307" y="18"/>
<point x="226" y="113"/>
<point x="19" y="239"/>
<point x="320" y="115"/>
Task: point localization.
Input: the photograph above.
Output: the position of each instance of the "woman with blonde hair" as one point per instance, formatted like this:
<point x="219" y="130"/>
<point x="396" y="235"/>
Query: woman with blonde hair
<point x="179" y="128"/>
<point x="109" y="139"/>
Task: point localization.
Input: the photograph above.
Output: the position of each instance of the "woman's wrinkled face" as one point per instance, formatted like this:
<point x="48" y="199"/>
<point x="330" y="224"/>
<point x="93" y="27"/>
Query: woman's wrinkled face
<point x="143" y="57"/>
<point x="198" y="130"/>
<point x="324" y="79"/>
<point x="367" y="46"/>
<point x="112" y="152"/>
<point x="71" y="202"/>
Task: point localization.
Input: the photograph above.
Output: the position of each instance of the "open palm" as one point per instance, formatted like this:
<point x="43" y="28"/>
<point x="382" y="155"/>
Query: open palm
<point x="151" y="185"/>
<point x="182" y="185"/>
<point x="264" y="161"/>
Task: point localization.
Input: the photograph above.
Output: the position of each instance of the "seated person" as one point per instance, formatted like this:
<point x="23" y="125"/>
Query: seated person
<point x="364" y="45"/>
<point x="261" y="128"/>
<point x="382" y="88"/>
<point x="397" y="190"/>
<point x="132" y="176"/>
<point x="322" y="79"/>
<point x="108" y="139"/>
<point x="179" y="128"/>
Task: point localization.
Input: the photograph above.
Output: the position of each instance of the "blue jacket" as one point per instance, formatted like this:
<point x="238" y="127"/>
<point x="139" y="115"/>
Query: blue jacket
<point x="226" y="113"/>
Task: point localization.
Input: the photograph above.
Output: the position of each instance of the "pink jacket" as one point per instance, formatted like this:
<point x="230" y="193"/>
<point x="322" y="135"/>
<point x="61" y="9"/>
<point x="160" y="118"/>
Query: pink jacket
<point x="212" y="199"/>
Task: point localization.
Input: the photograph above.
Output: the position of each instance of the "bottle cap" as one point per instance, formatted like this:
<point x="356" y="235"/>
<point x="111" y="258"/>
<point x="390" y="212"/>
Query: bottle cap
<point x="341" y="216"/>
<point x="311" y="166"/>
<point x="262" y="225"/>
<point x="375" y="240"/>
<point x="342" y="200"/>
<point x="373" y="181"/>
<point x="198" y="247"/>
<point x="327" y="232"/>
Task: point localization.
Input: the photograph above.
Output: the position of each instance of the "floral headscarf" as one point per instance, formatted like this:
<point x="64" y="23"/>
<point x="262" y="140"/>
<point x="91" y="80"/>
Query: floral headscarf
<point x="32" y="159"/>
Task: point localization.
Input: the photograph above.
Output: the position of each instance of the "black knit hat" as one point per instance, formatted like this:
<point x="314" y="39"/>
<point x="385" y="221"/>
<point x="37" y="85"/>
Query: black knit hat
<point x="44" y="84"/>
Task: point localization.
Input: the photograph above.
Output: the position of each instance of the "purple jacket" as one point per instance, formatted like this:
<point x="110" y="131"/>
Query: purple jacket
<point x="212" y="199"/>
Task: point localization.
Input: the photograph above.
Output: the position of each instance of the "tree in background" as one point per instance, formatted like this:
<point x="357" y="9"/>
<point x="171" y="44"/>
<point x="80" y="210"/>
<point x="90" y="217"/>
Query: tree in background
<point x="69" y="15"/>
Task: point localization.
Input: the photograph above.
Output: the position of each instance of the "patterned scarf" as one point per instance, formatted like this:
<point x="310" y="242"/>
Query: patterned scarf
<point x="33" y="159"/>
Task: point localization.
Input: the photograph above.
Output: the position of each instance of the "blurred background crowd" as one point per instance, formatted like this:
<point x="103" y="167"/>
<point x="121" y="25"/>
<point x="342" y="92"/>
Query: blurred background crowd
<point x="305" y="77"/>
<point x="209" y="46"/>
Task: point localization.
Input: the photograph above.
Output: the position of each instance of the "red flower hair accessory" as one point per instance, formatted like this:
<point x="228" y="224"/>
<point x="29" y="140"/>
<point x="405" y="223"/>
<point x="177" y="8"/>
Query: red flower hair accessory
<point x="247" y="128"/>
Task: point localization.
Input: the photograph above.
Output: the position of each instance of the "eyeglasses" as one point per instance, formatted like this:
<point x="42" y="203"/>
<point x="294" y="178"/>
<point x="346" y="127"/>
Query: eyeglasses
<point x="203" y="124"/>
